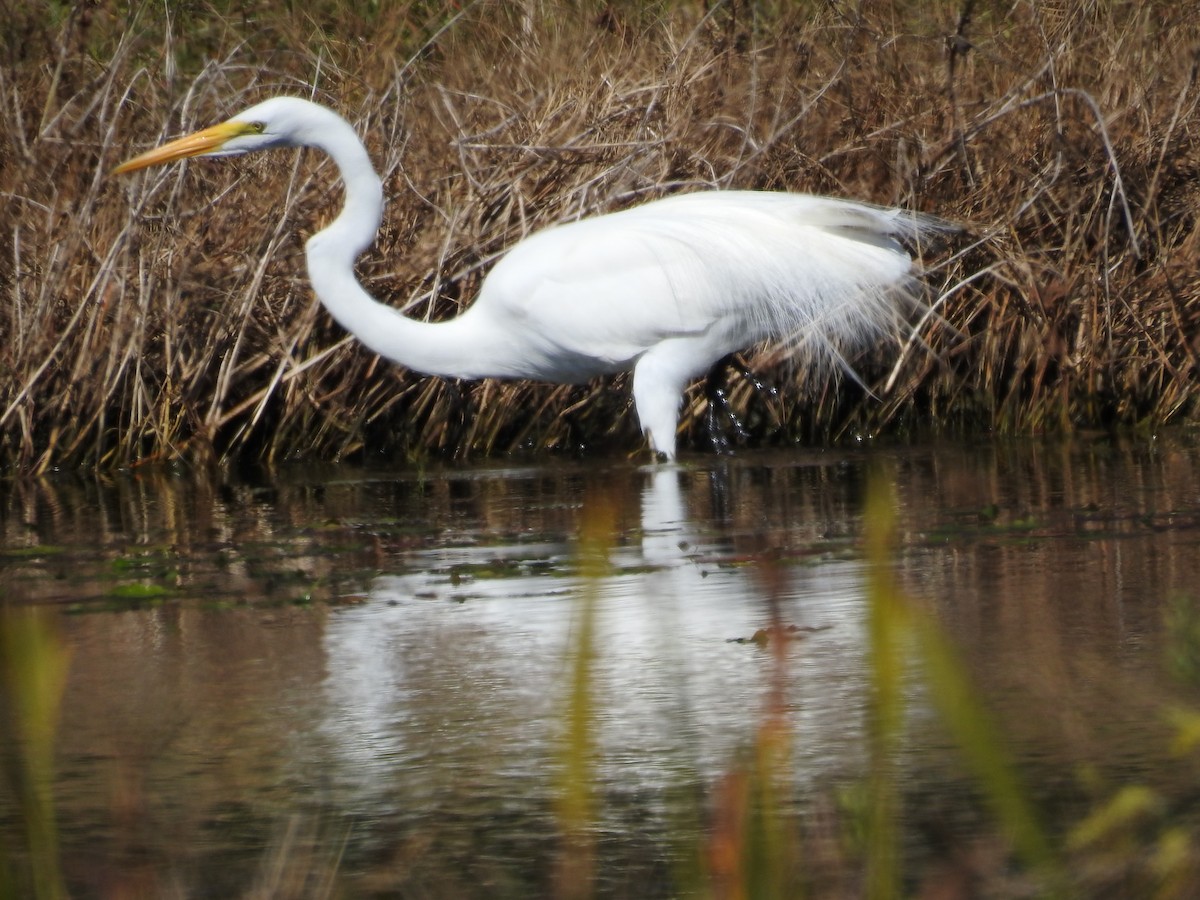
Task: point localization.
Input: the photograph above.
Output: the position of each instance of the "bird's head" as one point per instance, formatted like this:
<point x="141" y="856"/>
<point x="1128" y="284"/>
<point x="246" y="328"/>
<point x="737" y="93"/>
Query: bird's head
<point x="278" y="122"/>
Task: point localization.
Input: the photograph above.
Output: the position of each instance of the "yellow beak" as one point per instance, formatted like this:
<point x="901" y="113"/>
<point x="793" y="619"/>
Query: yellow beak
<point x="199" y="143"/>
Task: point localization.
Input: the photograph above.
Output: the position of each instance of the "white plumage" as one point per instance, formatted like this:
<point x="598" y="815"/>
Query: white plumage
<point x="666" y="289"/>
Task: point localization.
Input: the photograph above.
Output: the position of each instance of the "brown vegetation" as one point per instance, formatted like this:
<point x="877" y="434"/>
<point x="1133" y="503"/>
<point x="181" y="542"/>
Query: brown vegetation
<point x="168" y="315"/>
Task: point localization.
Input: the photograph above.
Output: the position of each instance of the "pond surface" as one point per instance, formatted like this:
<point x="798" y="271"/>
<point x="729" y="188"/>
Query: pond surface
<point x="348" y="681"/>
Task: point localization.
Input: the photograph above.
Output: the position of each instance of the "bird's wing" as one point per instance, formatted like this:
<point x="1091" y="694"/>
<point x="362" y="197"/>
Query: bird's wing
<point x="601" y="289"/>
<point x="753" y="266"/>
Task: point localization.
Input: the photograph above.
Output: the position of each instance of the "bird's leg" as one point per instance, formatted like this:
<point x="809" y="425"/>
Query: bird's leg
<point x="659" y="378"/>
<point x="718" y="399"/>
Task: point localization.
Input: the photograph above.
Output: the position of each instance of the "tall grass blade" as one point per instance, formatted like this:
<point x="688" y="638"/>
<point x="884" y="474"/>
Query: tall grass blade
<point x="983" y="749"/>
<point x="576" y="795"/>
<point x="898" y="627"/>
<point x="887" y="626"/>
<point x="33" y="674"/>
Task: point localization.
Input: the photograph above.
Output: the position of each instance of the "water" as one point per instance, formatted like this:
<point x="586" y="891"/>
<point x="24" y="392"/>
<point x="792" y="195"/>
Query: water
<point x="359" y="675"/>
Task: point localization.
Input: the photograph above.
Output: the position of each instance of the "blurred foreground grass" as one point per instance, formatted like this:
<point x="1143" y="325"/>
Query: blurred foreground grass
<point x="749" y="833"/>
<point x="33" y="672"/>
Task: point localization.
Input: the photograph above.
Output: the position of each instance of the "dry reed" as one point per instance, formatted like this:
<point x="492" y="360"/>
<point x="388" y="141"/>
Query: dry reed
<point x="168" y="316"/>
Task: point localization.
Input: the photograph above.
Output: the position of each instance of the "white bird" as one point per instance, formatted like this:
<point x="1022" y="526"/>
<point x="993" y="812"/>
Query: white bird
<point x="667" y="288"/>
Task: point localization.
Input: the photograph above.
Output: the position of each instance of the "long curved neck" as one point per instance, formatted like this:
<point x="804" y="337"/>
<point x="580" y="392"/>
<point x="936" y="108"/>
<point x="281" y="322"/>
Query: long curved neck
<point x="443" y="348"/>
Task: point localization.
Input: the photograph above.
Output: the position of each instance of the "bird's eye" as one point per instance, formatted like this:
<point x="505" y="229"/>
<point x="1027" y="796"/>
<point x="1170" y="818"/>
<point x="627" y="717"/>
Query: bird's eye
<point x="258" y="127"/>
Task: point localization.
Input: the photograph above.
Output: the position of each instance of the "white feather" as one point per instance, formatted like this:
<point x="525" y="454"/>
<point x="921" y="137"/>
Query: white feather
<point x="665" y="289"/>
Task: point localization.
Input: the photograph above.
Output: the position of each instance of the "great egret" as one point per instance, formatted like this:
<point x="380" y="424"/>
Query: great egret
<point x="666" y="289"/>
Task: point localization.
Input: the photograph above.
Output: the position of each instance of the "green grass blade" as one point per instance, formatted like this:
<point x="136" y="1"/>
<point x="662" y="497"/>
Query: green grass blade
<point x="33" y="674"/>
<point x="887" y="624"/>
<point x="576" y="795"/>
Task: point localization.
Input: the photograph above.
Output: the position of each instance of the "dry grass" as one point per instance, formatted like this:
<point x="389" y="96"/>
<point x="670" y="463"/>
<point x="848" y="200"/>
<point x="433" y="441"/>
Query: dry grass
<point x="168" y="315"/>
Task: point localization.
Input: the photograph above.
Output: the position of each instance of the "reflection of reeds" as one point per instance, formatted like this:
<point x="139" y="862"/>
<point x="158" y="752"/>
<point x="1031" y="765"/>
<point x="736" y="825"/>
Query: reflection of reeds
<point x="167" y="315"/>
<point x="754" y="844"/>
<point x="758" y="837"/>
<point x="762" y="840"/>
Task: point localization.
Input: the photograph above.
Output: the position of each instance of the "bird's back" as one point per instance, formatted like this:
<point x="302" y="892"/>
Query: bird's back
<point x="741" y="267"/>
